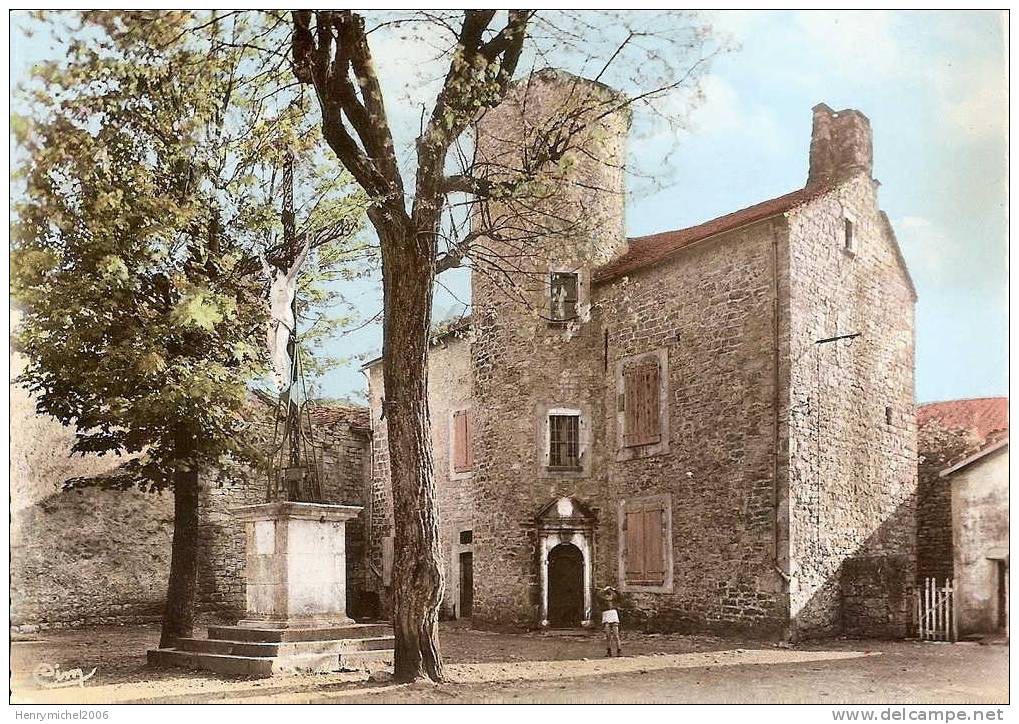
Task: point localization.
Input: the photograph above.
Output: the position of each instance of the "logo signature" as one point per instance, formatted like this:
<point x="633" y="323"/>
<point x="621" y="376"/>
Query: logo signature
<point x="51" y="676"/>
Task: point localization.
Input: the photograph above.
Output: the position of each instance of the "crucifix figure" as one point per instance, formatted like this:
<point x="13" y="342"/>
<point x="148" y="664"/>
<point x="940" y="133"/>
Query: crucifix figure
<point x="282" y="316"/>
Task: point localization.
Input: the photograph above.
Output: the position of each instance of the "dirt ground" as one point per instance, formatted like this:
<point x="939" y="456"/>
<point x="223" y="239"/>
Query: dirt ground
<point x="486" y="667"/>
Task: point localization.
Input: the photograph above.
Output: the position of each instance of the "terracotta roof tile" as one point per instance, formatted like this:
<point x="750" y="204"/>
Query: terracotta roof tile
<point x="331" y="413"/>
<point x="983" y="415"/>
<point x="646" y="250"/>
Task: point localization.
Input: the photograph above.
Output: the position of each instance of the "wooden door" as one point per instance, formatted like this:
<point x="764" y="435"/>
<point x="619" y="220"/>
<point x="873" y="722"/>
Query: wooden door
<point x="466" y="585"/>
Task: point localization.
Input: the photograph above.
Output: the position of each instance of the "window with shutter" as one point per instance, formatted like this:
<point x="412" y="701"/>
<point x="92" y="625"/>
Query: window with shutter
<point x="462" y="442"/>
<point x="634" y="546"/>
<point x="645" y="556"/>
<point x="654" y="553"/>
<point x="642" y="423"/>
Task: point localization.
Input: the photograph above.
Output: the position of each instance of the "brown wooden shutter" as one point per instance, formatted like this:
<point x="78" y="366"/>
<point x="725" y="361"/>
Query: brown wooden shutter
<point x="634" y="558"/>
<point x="642" y="424"/>
<point x="461" y="454"/>
<point x="468" y="440"/>
<point x="654" y="542"/>
<point x="631" y="393"/>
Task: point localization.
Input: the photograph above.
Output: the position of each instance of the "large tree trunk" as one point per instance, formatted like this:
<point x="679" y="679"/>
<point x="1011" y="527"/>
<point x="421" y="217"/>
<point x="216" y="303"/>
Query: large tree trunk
<point x="407" y="274"/>
<point x="182" y="591"/>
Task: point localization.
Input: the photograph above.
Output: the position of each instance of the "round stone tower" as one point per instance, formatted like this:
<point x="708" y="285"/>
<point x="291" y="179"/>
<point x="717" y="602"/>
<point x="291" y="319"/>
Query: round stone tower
<point x="537" y="354"/>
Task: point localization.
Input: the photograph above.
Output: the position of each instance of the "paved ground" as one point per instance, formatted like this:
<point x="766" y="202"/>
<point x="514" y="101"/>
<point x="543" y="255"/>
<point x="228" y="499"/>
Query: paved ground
<point x="490" y="667"/>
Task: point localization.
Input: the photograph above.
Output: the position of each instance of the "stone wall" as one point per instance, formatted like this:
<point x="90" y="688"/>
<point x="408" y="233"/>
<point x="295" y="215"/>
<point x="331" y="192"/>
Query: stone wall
<point x="875" y="596"/>
<point x="934" y="528"/>
<point x="449" y="385"/>
<point x="90" y="557"/>
<point x="852" y="421"/>
<point x="523" y="363"/>
<point x="98" y="557"/>
<point x="711" y="307"/>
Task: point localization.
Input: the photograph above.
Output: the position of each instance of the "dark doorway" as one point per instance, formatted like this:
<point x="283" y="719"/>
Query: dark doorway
<point x="1002" y="595"/>
<point x="565" y="586"/>
<point x="466" y="585"/>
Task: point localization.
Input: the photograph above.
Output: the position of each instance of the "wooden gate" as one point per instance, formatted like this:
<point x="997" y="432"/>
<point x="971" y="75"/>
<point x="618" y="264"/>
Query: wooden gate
<point x="935" y="610"/>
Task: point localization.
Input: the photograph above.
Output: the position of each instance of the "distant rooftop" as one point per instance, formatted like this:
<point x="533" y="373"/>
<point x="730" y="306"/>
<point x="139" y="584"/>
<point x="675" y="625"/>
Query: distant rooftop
<point x="985" y="416"/>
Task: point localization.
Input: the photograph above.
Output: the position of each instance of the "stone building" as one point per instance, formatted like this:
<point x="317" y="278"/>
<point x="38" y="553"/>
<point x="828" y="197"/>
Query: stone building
<point x="962" y="511"/>
<point x="718" y="420"/>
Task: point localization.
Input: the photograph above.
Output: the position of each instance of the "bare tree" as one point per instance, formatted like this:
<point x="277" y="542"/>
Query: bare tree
<point x="462" y="204"/>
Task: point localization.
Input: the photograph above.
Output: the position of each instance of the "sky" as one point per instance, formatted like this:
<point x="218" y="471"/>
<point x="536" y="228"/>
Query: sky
<point x="934" y="87"/>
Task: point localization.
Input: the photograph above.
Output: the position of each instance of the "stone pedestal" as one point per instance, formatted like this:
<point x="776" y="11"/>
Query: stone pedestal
<point x="295" y="570"/>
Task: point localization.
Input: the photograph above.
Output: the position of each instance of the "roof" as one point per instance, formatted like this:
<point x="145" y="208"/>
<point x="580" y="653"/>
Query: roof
<point x="331" y="413"/>
<point x="444" y="330"/>
<point x="646" y="250"/>
<point x="992" y="446"/>
<point x="982" y="415"/>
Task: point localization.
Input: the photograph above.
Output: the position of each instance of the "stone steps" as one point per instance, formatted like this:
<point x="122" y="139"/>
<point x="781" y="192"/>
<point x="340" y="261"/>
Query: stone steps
<point x="266" y="666"/>
<point x="239" y="651"/>
<point x="278" y="635"/>
<point x="284" y="648"/>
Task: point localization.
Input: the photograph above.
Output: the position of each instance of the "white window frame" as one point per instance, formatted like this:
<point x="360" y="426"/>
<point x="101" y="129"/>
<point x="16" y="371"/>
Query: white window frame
<point x="583" y="295"/>
<point x="849" y="241"/>
<point x="582" y="412"/>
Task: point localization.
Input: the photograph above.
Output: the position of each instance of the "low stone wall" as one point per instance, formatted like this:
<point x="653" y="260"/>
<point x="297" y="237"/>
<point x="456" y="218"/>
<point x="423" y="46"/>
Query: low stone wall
<point x="92" y="556"/>
<point x="877" y="596"/>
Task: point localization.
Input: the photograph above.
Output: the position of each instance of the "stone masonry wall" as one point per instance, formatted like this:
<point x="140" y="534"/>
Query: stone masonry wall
<point x="99" y="557"/>
<point x="449" y="389"/>
<point x="523" y="364"/>
<point x="934" y="528"/>
<point x="712" y="308"/>
<point x="852" y="422"/>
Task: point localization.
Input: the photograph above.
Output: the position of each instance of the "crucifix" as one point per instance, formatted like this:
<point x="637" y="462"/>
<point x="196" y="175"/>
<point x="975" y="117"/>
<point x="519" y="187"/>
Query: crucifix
<point x="293" y="470"/>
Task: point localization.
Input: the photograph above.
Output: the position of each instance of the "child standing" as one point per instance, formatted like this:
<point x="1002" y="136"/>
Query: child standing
<point x="609" y="598"/>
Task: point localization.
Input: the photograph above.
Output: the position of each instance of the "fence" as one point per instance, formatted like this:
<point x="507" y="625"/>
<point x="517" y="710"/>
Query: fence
<point x="935" y="610"/>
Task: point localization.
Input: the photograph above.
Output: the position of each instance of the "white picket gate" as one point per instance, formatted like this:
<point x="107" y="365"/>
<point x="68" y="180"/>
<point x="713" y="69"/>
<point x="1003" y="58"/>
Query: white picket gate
<point x="935" y="610"/>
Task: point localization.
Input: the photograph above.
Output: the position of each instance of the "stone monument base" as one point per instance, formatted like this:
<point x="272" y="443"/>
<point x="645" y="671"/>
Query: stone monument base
<point x="295" y="590"/>
<point x="244" y="651"/>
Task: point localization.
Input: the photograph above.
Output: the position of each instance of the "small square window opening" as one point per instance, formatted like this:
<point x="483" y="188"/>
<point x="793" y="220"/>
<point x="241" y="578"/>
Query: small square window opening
<point x="466" y="537"/>
<point x="564" y="288"/>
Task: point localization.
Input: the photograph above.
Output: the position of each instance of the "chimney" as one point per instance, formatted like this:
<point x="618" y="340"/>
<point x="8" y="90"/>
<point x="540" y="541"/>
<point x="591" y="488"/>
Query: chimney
<point x="840" y="146"/>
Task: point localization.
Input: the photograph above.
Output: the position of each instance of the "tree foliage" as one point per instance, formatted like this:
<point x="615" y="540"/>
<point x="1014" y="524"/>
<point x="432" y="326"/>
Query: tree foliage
<point x="150" y="183"/>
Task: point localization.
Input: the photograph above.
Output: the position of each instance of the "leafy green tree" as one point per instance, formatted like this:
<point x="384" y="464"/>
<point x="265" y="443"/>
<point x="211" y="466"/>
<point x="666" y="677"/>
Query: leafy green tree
<point x="150" y="185"/>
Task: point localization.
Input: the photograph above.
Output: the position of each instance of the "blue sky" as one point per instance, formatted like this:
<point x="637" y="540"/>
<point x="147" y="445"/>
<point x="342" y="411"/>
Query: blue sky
<point x="934" y="87"/>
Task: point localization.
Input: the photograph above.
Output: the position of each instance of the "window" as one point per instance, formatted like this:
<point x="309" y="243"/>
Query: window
<point x="564" y="288"/>
<point x="645" y="540"/>
<point x="466" y="537"/>
<point x="849" y="241"/>
<point x="564" y="441"/>
<point x="888" y="415"/>
<point x="642" y="424"/>
<point x="463" y="442"/>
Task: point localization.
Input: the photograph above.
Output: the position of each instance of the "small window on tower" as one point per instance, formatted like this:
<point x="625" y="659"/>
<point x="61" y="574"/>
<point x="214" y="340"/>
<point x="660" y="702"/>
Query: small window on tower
<point x="564" y="441"/>
<point x="564" y="287"/>
<point x="850" y="241"/>
<point x="466" y="537"/>
<point x="888" y="415"/>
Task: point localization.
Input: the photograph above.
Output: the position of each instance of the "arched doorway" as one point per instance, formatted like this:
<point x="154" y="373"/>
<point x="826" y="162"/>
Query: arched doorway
<point x="565" y="586"/>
